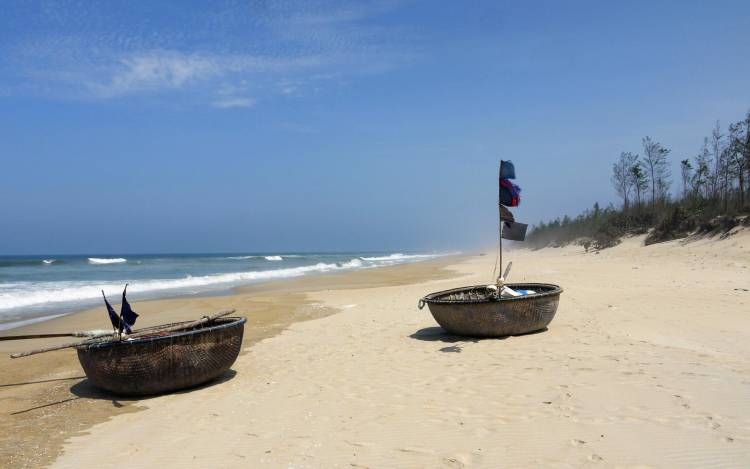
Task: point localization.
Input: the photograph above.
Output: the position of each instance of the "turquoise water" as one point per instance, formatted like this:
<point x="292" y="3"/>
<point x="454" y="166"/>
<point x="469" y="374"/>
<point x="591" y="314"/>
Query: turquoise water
<point x="36" y="287"/>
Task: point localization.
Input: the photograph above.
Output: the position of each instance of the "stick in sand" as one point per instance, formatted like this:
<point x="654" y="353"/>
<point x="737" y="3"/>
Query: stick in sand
<point x="135" y="335"/>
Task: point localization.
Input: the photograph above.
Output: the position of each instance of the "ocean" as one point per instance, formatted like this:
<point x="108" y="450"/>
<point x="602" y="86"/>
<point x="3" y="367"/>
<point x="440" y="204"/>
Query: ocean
<point x="35" y="288"/>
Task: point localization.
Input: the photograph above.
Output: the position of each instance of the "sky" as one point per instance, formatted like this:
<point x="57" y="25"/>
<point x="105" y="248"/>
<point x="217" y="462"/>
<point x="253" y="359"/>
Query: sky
<point x="243" y="126"/>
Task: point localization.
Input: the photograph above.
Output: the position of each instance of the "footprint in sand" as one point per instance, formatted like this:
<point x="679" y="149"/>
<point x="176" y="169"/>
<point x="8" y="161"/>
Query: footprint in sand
<point x="712" y="423"/>
<point x="682" y="401"/>
<point x="453" y="462"/>
<point x="463" y="460"/>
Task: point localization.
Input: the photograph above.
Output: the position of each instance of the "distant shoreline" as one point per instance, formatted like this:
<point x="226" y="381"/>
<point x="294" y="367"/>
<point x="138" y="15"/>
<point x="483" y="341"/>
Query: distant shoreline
<point x="35" y="288"/>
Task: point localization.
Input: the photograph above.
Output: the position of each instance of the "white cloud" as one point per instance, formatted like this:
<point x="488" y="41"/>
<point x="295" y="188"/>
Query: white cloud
<point x="234" y="103"/>
<point x="156" y="71"/>
<point x="285" y="48"/>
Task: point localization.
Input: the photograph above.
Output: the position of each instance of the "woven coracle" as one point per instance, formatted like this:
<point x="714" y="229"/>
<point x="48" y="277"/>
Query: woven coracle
<point x="164" y="362"/>
<point x="476" y="311"/>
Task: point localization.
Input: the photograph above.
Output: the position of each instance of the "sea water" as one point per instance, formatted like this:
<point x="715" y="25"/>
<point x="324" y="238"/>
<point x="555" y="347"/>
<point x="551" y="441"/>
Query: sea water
<point x="33" y="288"/>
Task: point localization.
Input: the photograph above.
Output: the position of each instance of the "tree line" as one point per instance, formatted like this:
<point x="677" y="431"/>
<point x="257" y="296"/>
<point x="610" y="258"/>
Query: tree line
<point x="712" y="194"/>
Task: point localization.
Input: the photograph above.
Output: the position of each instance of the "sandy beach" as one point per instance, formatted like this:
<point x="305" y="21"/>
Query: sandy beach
<point x="646" y="364"/>
<point x="46" y="398"/>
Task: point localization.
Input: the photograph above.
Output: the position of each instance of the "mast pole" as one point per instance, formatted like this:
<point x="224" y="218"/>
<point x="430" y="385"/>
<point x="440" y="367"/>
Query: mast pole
<point x="500" y="226"/>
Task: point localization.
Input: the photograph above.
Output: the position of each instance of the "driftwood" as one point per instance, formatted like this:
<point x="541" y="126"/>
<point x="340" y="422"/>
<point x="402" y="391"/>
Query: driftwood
<point x="134" y="335"/>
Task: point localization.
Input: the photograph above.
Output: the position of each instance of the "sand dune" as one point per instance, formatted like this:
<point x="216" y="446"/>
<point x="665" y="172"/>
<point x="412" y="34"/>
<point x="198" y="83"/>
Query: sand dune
<point x="646" y="364"/>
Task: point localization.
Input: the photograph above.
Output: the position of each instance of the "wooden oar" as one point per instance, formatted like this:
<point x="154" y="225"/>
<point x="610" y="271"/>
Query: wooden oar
<point x="507" y="271"/>
<point x="135" y="335"/>
<point x="90" y="334"/>
<point x="180" y="327"/>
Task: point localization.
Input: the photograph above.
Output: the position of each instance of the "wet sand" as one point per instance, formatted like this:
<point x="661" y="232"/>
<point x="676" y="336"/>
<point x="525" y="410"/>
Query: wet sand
<point x="45" y="399"/>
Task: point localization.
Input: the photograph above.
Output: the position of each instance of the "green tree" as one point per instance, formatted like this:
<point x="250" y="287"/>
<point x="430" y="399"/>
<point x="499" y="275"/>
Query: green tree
<point x="622" y="177"/>
<point x="719" y="159"/>
<point x="702" y="174"/>
<point x="655" y="160"/>
<point x="640" y="181"/>
<point x="685" y="169"/>
<point x="739" y="154"/>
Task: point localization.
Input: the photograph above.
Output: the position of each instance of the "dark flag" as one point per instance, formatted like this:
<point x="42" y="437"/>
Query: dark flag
<point x="514" y="231"/>
<point x="114" y="319"/>
<point x="507" y="170"/>
<point x="127" y="315"/>
<point x="505" y="214"/>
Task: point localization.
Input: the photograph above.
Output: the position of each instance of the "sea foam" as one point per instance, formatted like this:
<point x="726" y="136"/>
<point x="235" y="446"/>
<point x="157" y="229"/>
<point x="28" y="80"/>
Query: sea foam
<point x="28" y="294"/>
<point x="22" y="299"/>
<point x="401" y="257"/>
<point x="101" y="260"/>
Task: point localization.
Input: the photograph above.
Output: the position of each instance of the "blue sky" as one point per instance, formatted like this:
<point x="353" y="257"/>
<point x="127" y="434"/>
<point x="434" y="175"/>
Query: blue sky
<point x="296" y="125"/>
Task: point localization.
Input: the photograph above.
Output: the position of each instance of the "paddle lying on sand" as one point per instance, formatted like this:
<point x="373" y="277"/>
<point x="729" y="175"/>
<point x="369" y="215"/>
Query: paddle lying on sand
<point x="134" y="335"/>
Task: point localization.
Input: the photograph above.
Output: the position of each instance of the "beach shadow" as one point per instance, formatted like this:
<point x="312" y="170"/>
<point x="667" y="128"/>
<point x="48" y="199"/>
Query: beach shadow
<point x="45" y="405"/>
<point x="40" y="381"/>
<point x="438" y="334"/>
<point x="85" y="389"/>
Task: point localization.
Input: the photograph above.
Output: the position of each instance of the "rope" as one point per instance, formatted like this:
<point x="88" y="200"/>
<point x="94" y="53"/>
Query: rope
<point x="494" y="267"/>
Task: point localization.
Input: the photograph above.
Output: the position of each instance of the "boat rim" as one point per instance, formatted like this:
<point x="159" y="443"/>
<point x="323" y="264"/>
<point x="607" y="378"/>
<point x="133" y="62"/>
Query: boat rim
<point x="554" y="290"/>
<point x="234" y="321"/>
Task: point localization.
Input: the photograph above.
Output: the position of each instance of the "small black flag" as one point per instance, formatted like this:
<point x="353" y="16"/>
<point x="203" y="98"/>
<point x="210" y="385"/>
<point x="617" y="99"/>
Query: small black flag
<point x="514" y="231"/>
<point x="114" y="319"/>
<point x="127" y="315"/>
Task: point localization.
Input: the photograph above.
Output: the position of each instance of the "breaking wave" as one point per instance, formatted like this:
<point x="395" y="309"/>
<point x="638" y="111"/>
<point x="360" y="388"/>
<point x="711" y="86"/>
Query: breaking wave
<point x="352" y="263"/>
<point x="401" y="257"/>
<point x="23" y="299"/>
<point x="104" y="260"/>
<point x="26" y="294"/>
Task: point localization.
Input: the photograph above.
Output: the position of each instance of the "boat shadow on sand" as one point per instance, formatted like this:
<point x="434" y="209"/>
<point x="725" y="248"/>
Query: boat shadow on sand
<point x="438" y="334"/>
<point x="85" y="389"/>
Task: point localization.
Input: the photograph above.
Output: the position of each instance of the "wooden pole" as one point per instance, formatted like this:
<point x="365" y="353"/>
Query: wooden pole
<point x="57" y="347"/>
<point x="89" y="334"/>
<point x="135" y="335"/>
<point x="182" y="327"/>
<point x="500" y="228"/>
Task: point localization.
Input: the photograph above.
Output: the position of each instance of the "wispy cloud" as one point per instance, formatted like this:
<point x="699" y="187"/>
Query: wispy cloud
<point x="234" y="102"/>
<point x="170" y="70"/>
<point x="155" y="71"/>
<point x="227" y="57"/>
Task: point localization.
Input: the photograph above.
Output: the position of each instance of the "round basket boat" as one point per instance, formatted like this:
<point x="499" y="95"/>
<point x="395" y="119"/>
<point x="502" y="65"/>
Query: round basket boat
<point x="164" y="362"/>
<point x="476" y="312"/>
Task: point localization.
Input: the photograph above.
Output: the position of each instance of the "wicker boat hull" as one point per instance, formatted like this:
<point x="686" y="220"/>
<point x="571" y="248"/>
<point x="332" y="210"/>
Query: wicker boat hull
<point x="472" y="311"/>
<point x="161" y="364"/>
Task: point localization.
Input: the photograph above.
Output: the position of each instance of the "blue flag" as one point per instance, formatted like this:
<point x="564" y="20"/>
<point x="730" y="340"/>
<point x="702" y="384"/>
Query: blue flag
<point x="114" y="319"/>
<point x="127" y="315"/>
<point x="507" y="170"/>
